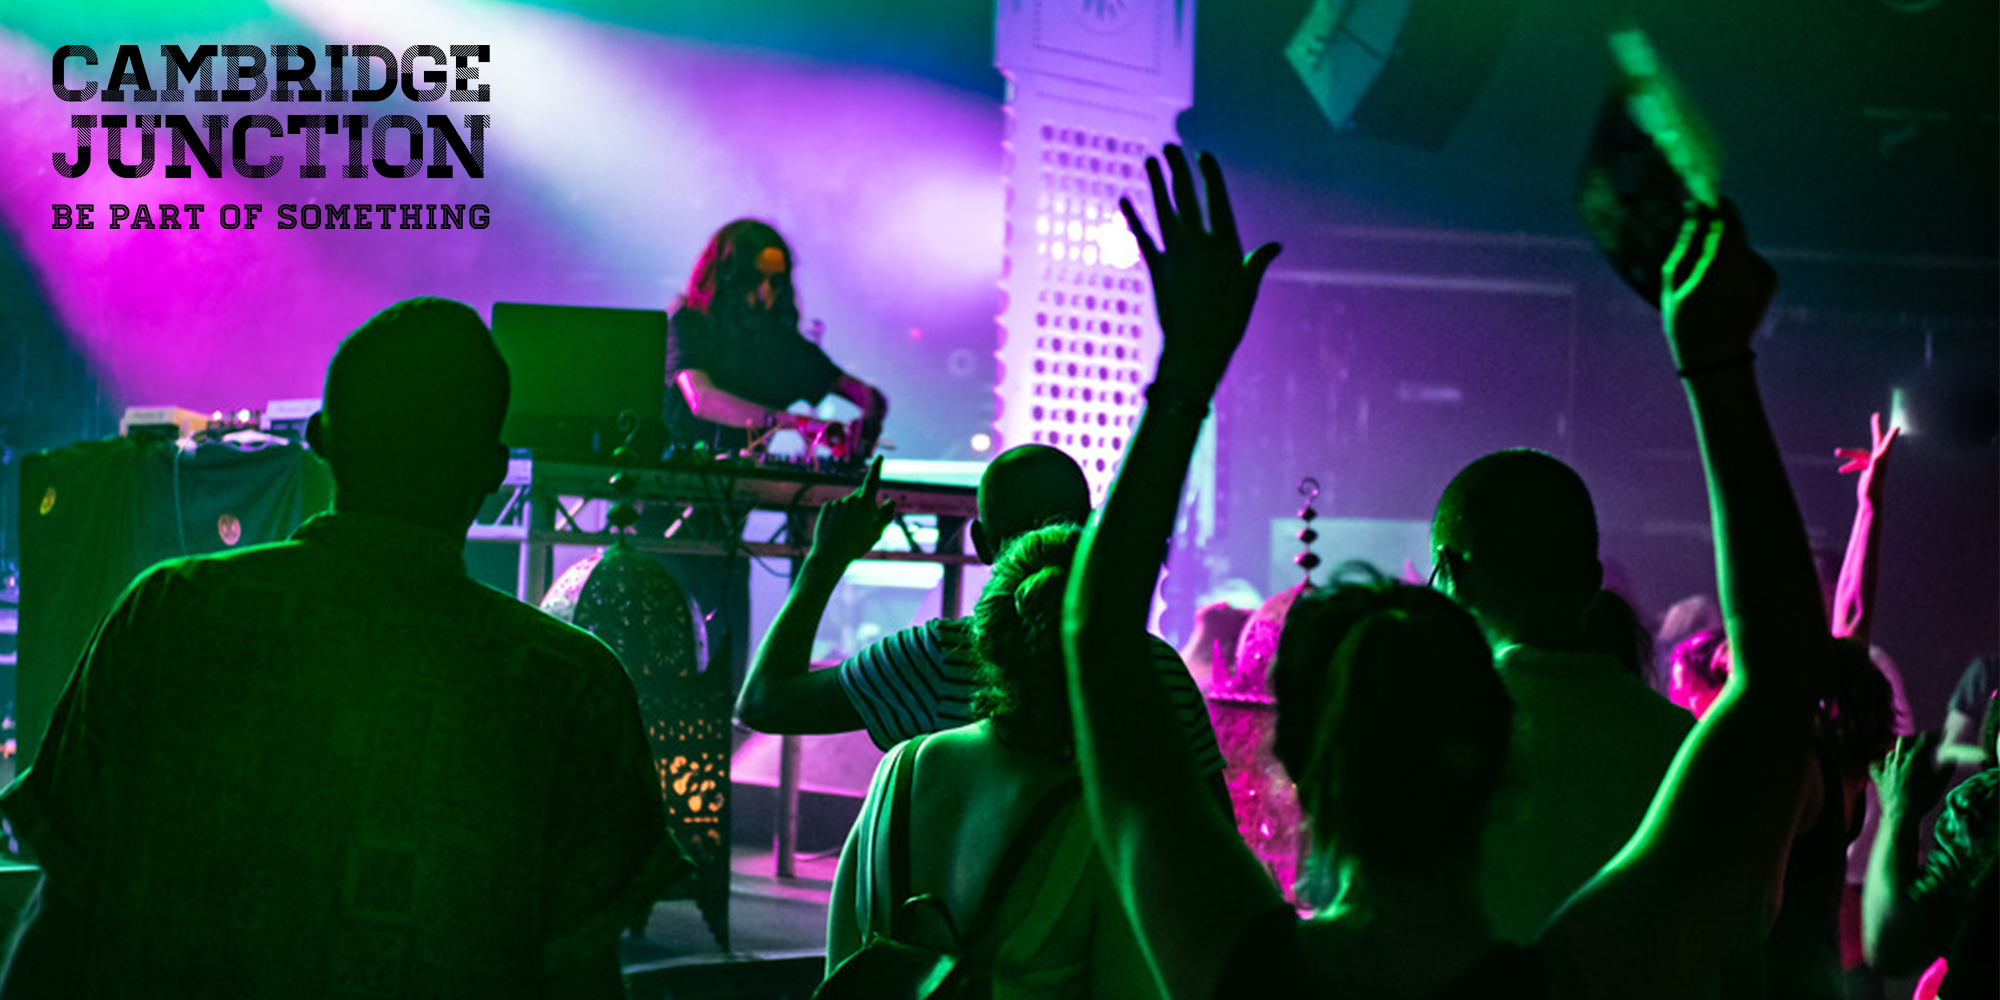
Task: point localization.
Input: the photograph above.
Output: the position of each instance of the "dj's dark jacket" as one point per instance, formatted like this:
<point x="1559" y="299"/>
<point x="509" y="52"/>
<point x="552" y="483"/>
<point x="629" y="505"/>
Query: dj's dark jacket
<point x="767" y="364"/>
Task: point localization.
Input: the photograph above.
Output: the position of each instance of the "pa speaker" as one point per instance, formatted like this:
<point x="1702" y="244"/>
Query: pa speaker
<point x="1402" y="70"/>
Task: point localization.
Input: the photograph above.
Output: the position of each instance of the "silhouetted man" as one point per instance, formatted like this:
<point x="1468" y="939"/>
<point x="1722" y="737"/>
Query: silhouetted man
<point x="1515" y="542"/>
<point x="336" y="766"/>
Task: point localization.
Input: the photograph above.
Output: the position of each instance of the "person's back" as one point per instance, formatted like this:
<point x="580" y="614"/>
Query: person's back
<point x="336" y="766"/>
<point x="1056" y="928"/>
<point x="1516" y="540"/>
<point x="981" y="792"/>
<point x="266" y="816"/>
<point x="1590" y="746"/>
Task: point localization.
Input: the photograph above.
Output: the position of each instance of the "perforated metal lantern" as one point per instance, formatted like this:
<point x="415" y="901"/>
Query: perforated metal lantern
<point x="626" y="598"/>
<point x="1245" y="718"/>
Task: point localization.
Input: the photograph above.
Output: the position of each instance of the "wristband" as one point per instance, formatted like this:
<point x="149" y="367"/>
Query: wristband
<point x="1164" y="400"/>
<point x="1724" y="364"/>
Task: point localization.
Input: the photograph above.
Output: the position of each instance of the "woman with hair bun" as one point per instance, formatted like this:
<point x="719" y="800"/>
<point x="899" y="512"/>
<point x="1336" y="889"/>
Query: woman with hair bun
<point x="1003" y="786"/>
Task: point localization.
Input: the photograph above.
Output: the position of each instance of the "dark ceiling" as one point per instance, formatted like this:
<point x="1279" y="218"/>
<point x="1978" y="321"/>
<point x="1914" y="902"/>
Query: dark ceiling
<point x="1848" y="125"/>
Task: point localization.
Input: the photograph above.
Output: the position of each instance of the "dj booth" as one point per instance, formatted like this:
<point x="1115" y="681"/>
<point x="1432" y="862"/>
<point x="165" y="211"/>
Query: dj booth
<point x="545" y="502"/>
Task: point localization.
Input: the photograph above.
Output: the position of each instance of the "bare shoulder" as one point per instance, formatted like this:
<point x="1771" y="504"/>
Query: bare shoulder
<point x="972" y="753"/>
<point x="975" y="783"/>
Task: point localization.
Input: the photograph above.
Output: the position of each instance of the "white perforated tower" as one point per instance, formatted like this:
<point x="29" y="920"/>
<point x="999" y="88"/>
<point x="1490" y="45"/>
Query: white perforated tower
<point x="1093" y="89"/>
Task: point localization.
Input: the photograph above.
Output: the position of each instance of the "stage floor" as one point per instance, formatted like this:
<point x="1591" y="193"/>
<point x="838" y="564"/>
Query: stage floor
<point x="777" y="930"/>
<point x="777" y="927"/>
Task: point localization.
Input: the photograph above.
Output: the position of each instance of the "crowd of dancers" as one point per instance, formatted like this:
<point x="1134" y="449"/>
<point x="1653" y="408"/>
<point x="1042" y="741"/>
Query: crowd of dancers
<point x="276" y="774"/>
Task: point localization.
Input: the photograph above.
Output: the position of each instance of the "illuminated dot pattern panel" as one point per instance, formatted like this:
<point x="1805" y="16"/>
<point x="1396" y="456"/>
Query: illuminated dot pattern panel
<point x="1078" y="338"/>
<point x="1093" y="89"/>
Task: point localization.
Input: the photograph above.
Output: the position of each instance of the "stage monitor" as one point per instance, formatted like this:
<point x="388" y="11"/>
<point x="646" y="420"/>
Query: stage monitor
<point x="575" y="370"/>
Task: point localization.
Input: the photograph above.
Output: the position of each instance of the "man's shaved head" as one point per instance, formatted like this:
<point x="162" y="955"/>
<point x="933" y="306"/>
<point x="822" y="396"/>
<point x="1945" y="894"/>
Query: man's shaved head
<point x="1030" y="486"/>
<point x="1525" y="521"/>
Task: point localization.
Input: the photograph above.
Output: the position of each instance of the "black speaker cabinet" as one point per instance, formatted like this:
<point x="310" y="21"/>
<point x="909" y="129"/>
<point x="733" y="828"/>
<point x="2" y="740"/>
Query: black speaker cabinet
<point x="95" y="514"/>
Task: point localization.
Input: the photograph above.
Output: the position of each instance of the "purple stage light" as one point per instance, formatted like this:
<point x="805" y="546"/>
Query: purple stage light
<point x="611" y="155"/>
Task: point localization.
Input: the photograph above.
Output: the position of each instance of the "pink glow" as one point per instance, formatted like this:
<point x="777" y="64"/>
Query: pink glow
<point x="613" y="154"/>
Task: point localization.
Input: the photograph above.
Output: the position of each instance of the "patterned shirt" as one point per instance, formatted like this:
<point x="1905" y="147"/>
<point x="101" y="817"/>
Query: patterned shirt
<point x="1968" y="842"/>
<point x="920" y="680"/>
<point x="335" y="767"/>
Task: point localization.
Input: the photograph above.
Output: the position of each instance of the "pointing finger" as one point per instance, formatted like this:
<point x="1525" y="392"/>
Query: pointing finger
<point x="871" y="481"/>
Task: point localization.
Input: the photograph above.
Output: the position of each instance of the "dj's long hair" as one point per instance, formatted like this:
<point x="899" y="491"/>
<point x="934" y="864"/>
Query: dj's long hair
<point x="726" y="274"/>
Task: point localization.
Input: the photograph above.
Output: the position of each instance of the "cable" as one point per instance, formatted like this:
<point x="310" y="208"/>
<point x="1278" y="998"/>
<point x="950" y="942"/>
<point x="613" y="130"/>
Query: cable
<point x="180" y="521"/>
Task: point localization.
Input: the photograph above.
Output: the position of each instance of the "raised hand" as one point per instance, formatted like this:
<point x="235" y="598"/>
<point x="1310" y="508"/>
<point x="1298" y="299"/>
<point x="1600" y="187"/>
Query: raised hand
<point x="850" y="526"/>
<point x="1203" y="285"/>
<point x="1186" y="879"/>
<point x="1715" y="290"/>
<point x="1871" y="460"/>
<point x="1909" y="780"/>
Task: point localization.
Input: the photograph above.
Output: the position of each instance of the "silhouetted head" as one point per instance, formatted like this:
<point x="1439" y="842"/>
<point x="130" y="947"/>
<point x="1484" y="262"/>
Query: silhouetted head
<point x="1684" y="618"/>
<point x="410" y="423"/>
<point x="744" y="274"/>
<point x="1017" y="629"/>
<point x="1392" y="722"/>
<point x="1025" y="488"/>
<point x="1860" y="707"/>
<point x="1615" y="628"/>
<point x="1515" y="540"/>
<point x="1698" y="670"/>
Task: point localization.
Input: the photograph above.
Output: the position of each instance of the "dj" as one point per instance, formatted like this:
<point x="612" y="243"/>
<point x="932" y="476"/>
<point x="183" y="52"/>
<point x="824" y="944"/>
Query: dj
<point x="735" y="354"/>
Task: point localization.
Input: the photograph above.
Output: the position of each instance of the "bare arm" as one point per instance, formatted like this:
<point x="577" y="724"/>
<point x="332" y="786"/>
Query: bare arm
<point x="843" y="935"/>
<point x="720" y="406"/>
<point x="1854" y="594"/>
<point x="1706" y="861"/>
<point x="1183" y="875"/>
<point x="1960" y="747"/>
<point x="782" y="693"/>
<point x="845" y="926"/>
<point x="874" y="406"/>
<point x="1897" y="935"/>
<point x="874" y="409"/>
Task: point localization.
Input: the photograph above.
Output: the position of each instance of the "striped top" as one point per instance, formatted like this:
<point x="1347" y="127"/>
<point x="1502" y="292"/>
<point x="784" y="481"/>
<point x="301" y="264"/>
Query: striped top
<point x="921" y="679"/>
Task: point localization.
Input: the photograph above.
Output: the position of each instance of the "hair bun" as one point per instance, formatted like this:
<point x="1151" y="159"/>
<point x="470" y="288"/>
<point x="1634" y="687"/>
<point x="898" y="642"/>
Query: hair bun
<point x="1040" y="596"/>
